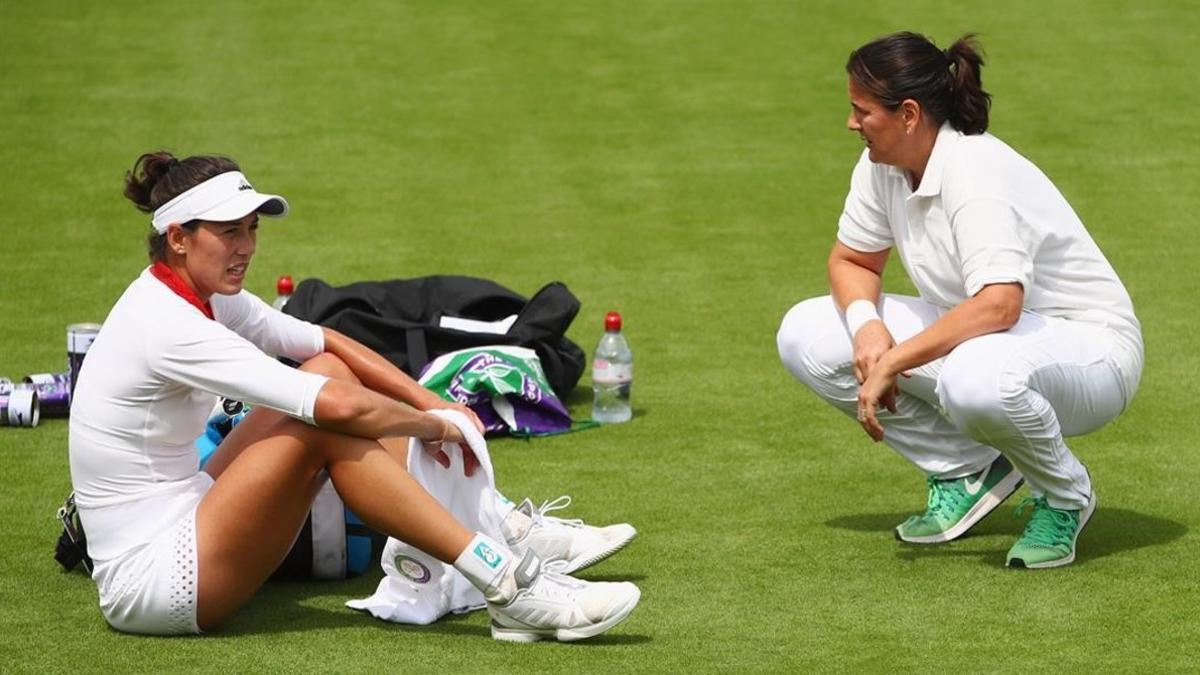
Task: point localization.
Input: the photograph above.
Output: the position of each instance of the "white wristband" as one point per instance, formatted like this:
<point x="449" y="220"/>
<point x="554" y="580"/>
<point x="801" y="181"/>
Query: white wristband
<point x="858" y="313"/>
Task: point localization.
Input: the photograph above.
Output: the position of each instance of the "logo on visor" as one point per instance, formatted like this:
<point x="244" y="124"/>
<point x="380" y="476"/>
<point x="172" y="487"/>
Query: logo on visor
<point x="244" y="186"/>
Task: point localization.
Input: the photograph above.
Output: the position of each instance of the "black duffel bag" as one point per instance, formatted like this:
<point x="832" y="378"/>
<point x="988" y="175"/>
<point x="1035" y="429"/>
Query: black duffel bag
<point x="401" y="319"/>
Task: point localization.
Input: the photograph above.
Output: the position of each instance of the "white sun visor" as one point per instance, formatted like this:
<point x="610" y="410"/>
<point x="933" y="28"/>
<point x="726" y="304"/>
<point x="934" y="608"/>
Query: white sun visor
<point x="225" y="197"/>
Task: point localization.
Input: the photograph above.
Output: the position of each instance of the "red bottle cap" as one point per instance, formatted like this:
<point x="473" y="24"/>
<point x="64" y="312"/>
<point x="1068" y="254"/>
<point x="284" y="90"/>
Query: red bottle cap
<point x="612" y="321"/>
<point x="284" y="286"/>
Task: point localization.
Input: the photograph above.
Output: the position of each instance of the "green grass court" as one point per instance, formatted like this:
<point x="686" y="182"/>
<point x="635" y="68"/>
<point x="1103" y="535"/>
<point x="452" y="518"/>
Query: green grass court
<point x="684" y="163"/>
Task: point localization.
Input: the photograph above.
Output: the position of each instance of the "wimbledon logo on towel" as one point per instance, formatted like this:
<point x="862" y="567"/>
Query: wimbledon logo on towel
<point x="412" y="568"/>
<point x="487" y="555"/>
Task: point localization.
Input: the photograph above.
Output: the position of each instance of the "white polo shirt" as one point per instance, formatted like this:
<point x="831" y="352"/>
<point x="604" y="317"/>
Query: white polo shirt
<point x="984" y="214"/>
<point x="145" y="392"/>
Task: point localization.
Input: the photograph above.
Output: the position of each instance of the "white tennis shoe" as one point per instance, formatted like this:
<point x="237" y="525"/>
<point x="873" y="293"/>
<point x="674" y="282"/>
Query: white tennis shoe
<point x="551" y="605"/>
<point x="570" y="541"/>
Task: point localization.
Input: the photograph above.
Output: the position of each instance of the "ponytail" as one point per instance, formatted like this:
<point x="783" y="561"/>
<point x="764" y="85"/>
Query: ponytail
<point x="970" y="103"/>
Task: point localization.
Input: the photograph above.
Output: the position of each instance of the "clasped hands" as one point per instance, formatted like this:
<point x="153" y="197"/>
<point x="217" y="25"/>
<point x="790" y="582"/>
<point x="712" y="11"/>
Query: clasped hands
<point x="877" y="379"/>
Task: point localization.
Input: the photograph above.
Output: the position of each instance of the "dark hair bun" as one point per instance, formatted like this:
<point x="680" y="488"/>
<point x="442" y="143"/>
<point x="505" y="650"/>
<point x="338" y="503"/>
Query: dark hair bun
<point x="158" y="177"/>
<point x="147" y="171"/>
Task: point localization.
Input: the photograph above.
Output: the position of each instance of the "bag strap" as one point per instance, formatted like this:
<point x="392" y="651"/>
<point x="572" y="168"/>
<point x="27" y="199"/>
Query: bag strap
<point x="547" y="315"/>
<point x="576" y="425"/>
<point x="417" y="348"/>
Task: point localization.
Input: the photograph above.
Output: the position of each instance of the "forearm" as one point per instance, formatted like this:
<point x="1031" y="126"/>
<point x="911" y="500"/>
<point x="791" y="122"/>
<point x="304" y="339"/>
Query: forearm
<point x="849" y="282"/>
<point x="994" y="309"/>
<point x="377" y="373"/>
<point x="855" y="275"/>
<point x="355" y="410"/>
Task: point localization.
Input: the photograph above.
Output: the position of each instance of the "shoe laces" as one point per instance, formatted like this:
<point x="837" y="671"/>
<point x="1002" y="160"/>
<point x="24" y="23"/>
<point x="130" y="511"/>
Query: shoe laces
<point x="552" y="582"/>
<point x="944" y="495"/>
<point x="540" y="513"/>
<point x="1047" y="526"/>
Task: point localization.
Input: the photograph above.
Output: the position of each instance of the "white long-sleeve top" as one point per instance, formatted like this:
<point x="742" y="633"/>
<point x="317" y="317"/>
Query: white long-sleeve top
<point x="146" y="389"/>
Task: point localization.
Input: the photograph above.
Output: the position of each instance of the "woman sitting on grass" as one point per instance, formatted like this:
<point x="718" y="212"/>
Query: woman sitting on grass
<point x="1022" y="333"/>
<point x="179" y="550"/>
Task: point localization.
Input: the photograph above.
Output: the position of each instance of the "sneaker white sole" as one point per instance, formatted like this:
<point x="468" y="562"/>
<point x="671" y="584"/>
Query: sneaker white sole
<point x="1083" y="521"/>
<point x="589" y="558"/>
<point x="511" y="634"/>
<point x="1001" y="491"/>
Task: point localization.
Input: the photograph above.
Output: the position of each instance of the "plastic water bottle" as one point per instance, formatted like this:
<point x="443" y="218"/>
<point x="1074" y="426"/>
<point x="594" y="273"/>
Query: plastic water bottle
<point x="612" y="374"/>
<point x="283" y="291"/>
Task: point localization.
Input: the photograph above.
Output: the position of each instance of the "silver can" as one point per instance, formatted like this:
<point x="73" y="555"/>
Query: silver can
<point x="79" y="339"/>
<point x="54" y="392"/>
<point x="19" y="408"/>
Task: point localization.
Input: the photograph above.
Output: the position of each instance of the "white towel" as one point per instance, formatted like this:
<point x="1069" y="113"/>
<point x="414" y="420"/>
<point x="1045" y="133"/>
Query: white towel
<point x="418" y="588"/>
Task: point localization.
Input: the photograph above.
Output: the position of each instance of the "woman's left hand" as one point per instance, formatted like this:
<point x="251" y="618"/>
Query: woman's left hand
<point x="879" y="389"/>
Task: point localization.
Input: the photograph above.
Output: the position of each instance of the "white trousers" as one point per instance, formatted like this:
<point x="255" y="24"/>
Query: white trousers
<point x="1018" y="392"/>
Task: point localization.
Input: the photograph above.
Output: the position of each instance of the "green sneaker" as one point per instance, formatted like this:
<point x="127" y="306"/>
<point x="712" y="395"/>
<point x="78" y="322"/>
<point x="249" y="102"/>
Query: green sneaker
<point x="956" y="505"/>
<point x="1049" y="538"/>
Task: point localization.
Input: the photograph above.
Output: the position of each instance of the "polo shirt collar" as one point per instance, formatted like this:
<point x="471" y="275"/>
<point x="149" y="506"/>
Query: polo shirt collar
<point x="931" y="182"/>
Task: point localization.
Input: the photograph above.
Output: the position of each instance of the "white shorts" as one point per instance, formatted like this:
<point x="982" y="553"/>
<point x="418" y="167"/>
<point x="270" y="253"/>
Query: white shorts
<point x="152" y="588"/>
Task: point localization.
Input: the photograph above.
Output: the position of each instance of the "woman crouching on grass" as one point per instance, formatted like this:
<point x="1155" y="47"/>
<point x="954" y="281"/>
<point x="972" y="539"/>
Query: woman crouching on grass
<point x="1022" y="335"/>
<point x="179" y="550"/>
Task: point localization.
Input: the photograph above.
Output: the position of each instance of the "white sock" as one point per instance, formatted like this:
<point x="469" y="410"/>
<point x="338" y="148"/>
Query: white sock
<point x="503" y="505"/>
<point x="515" y="525"/>
<point x="488" y="565"/>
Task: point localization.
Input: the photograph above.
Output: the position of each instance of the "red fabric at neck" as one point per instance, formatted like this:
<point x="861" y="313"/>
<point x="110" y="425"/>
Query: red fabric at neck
<point x="173" y="281"/>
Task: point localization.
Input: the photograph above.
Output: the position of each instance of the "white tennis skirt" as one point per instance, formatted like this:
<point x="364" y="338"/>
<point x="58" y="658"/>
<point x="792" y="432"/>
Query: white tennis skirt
<point x="152" y="588"/>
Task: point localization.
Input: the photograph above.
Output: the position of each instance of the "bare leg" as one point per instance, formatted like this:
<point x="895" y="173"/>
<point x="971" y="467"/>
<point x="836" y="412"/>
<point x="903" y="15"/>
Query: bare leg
<point x="266" y="475"/>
